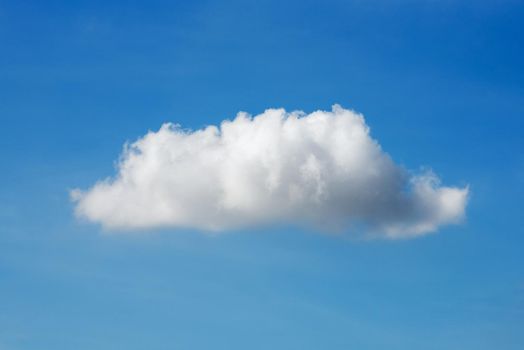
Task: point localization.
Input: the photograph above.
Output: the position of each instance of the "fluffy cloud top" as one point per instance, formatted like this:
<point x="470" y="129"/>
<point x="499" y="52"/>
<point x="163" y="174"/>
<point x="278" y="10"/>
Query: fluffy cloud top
<point x="321" y="169"/>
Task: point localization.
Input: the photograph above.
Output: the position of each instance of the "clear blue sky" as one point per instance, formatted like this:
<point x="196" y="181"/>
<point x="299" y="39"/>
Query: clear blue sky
<point x="441" y="84"/>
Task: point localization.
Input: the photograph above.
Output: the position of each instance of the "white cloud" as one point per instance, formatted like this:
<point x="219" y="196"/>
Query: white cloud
<point x="321" y="169"/>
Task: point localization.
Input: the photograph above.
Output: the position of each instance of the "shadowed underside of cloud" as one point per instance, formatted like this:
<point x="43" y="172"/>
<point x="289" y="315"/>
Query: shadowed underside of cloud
<point x="322" y="170"/>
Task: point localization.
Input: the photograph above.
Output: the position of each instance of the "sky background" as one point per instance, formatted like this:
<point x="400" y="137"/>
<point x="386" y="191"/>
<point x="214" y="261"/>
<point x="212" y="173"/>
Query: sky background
<point x="441" y="84"/>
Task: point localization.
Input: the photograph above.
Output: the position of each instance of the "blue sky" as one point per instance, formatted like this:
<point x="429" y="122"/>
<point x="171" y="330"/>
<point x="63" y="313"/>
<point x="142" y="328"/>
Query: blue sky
<point x="439" y="82"/>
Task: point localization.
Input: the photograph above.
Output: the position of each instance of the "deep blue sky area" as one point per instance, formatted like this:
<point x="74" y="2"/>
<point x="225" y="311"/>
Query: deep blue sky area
<point x="440" y="83"/>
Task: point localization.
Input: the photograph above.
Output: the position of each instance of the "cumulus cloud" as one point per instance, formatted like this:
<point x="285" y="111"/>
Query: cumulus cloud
<point x="322" y="170"/>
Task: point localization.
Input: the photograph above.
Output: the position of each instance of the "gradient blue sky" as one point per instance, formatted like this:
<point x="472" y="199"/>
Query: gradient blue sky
<point x="441" y="84"/>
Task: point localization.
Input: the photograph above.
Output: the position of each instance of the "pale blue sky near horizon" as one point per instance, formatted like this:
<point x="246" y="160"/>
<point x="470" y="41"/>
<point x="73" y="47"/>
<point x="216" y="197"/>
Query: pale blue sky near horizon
<point x="440" y="83"/>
